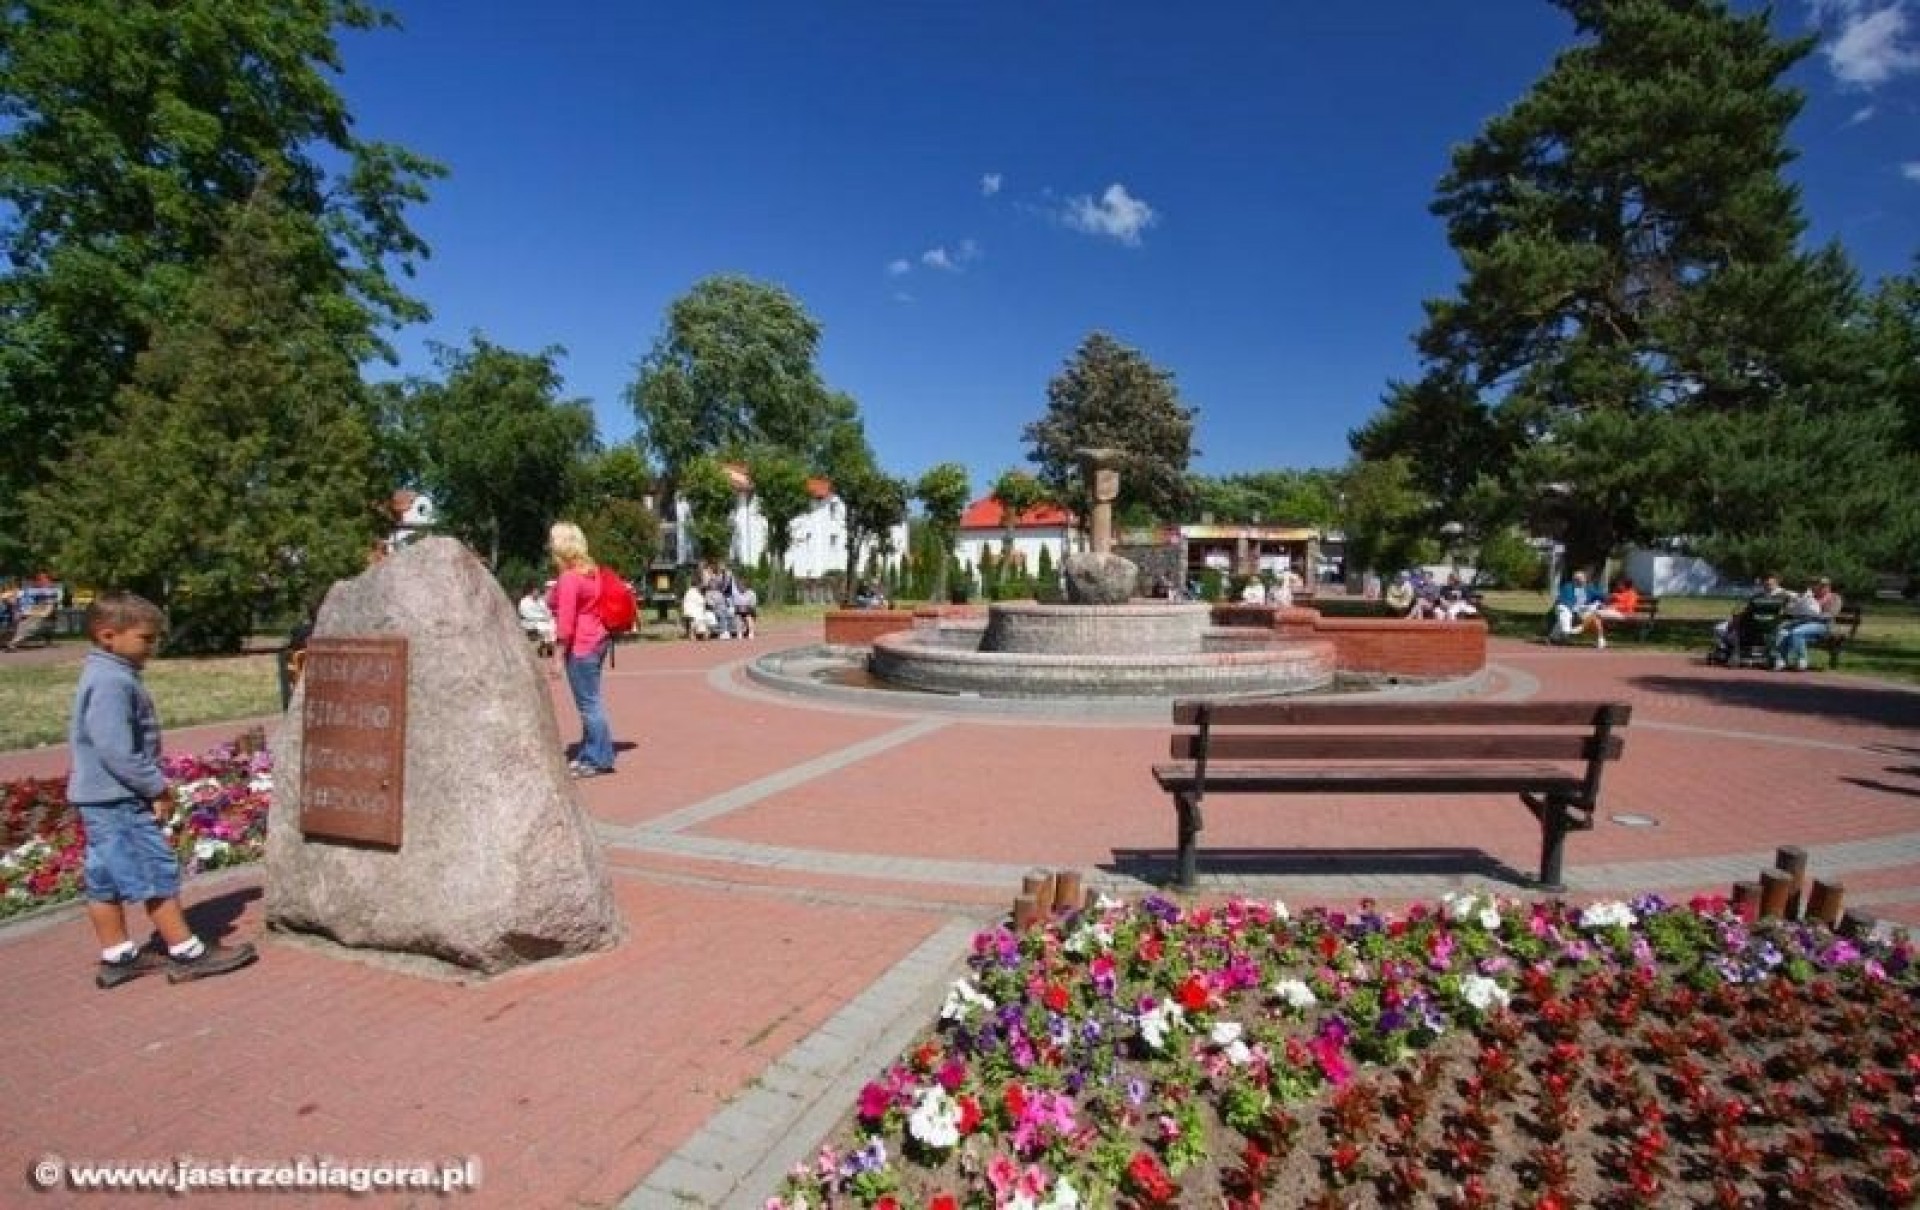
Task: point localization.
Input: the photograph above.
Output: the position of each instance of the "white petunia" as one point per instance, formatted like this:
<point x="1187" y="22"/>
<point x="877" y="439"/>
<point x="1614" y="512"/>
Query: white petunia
<point x="1607" y="915"/>
<point x="1156" y="1021"/>
<point x="1280" y="911"/>
<point x="1063" y="1197"/>
<point x="935" y="1119"/>
<point x="1483" y="993"/>
<point x="207" y="848"/>
<point x="1226" y="1033"/>
<point x="962" y="1001"/>
<point x="1490" y="917"/>
<point x="1296" y="993"/>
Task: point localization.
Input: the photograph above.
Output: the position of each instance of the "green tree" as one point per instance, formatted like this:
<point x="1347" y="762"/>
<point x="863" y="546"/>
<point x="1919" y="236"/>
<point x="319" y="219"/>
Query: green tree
<point x="1017" y="492"/>
<point x="128" y="134"/>
<point x="1110" y="396"/>
<point x="710" y="497"/>
<point x="243" y="474"/>
<point x="732" y="370"/>
<point x="1631" y="256"/>
<point x="780" y="486"/>
<point x="504" y="454"/>
<point x="943" y="493"/>
<point x="610" y="506"/>
<point x="1386" y="517"/>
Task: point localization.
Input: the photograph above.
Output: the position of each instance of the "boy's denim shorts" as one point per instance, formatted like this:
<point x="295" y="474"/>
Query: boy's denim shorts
<point x="128" y="857"/>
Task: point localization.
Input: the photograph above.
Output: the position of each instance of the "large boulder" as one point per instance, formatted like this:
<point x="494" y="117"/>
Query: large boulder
<point x="497" y="865"/>
<point x="1100" y="578"/>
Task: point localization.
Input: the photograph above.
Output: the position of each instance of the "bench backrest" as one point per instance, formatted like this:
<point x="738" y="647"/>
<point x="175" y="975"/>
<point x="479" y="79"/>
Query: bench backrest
<point x="1585" y="731"/>
<point x="1847" y="619"/>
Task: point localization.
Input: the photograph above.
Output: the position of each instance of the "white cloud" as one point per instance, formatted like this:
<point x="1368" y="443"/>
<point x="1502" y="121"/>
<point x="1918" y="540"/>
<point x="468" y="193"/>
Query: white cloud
<point x="951" y="261"/>
<point x="1872" y="44"/>
<point x="899" y="267"/>
<point x="1862" y="114"/>
<point x="1911" y="170"/>
<point x="1118" y="215"/>
<point x="990" y="184"/>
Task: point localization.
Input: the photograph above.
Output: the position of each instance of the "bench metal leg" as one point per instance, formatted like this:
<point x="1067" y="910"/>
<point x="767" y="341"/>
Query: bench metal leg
<point x="1188" y="808"/>
<point x="1555" y="823"/>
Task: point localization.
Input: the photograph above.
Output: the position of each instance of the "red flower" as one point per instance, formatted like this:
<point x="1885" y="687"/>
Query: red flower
<point x="889" y="1202"/>
<point x="1192" y="995"/>
<point x="1015" y="1101"/>
<point x="1146" y="1175"/>
<point x="1151" y="947"/>
<point x="1056" y="998"/>
<point x="969" y="1115"/>
<point x="943" y="1201"/>
<point x="1329" y="945"/>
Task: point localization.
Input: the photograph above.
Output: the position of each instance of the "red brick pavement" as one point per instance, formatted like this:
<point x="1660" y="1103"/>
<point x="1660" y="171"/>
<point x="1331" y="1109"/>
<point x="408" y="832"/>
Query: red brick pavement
<point x="572" y="1083"/>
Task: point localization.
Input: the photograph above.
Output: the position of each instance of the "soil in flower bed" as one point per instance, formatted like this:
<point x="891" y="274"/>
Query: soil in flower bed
<point x="1482" y="1054"/>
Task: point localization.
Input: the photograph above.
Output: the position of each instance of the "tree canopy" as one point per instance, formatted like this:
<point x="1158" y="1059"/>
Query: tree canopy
<point x="780" y="486"/>
<point x="943" y="493"/>
<point x="733" y="369"/>
<point x="1110" y="396"/>
<point x="129" y="134"/>
<point x="1634" y="290"/>
<point x="504" y="455"/>
<point x="243" y="475"/>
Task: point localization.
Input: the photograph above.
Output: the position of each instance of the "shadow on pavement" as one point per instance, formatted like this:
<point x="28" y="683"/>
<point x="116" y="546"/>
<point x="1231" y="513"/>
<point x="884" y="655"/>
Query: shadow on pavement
<point x="214" y="917"/>
<point x="1156" y="866"/>
<point x="1786" y="693"/>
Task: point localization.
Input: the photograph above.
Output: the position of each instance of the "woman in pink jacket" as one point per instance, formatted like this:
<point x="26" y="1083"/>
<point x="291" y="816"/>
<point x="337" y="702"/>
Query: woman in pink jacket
<point x="583" y="642"/>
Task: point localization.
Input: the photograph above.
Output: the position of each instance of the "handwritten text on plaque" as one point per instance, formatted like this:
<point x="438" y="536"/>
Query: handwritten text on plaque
<point x="353" y="737"/>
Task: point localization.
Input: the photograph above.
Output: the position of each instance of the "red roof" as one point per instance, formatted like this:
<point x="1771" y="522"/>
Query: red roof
<point x="737" y="475"/>
<point x="987" y="514"/>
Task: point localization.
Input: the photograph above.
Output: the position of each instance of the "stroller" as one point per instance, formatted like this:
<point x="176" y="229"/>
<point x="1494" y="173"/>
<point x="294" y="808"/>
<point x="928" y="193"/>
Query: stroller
<point x="1748" y="637"/>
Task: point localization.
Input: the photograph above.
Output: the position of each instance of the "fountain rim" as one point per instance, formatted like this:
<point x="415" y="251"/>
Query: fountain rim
<point x="763" y="670"/>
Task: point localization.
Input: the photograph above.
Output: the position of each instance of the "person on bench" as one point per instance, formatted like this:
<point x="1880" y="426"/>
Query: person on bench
<point x="1808" y="616"/>
<point x="1574" y="607"/>
<point x="1622" y="603"/>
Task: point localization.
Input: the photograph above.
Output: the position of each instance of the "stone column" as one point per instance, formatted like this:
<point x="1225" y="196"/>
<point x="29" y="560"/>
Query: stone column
<point x="1106" y="488"/>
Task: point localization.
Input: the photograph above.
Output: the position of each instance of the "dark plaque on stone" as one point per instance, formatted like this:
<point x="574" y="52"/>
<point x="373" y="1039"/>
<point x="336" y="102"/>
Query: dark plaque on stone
<point x="353" y="737"/>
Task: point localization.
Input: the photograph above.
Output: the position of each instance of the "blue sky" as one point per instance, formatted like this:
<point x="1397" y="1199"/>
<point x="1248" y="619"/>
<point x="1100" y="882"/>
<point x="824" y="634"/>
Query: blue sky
<point x="959" y="192"/>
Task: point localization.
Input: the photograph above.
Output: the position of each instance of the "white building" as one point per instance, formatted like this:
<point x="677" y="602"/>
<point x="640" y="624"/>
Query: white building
<point x="1044" y="526"/>
<point x="817" y="543"/>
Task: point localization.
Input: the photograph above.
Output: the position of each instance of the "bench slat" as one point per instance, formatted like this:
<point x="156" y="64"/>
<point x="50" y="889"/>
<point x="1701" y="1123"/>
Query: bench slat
<point x="1308" y="745"/>
<point x="1402" y="779"/>
<point x="1332" y="713"/>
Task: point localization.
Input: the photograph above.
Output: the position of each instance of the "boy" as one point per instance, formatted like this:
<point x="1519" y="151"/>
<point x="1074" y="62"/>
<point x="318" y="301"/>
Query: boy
<point x="121" y="795"/>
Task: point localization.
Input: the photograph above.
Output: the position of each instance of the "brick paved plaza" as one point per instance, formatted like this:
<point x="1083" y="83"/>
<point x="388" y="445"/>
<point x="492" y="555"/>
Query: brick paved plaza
<point x="799" y="881"/>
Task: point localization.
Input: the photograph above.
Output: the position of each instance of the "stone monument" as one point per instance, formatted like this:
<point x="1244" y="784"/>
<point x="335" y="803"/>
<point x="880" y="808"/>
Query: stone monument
<point x="421" y="798"/>
<point x="1098" y="576"/>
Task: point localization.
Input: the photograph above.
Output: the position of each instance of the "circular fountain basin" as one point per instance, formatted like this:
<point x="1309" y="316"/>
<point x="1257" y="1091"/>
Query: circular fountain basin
<point x="1142" y="649"/>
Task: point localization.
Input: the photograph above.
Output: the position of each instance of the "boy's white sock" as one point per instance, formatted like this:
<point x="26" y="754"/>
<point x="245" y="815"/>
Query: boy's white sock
<point x="119" y="953"/>
<point x="187" y="950"/>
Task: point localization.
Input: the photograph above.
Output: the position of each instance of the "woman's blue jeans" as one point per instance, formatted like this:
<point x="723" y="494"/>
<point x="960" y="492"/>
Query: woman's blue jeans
<point x="1791" y="647"/>
<point x="596" y="739"/>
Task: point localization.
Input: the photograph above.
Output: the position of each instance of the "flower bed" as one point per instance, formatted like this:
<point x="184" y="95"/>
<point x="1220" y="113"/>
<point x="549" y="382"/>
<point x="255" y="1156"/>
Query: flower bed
<point x="220" y="818"/>
<point x="1481" y="1053"/>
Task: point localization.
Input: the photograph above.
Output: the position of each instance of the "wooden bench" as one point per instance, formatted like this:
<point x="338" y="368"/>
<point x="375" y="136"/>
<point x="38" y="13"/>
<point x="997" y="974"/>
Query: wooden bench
<point x="1641" y="619"/>
<point x="1846" y="624"/>
<point x="1551" y="754"/>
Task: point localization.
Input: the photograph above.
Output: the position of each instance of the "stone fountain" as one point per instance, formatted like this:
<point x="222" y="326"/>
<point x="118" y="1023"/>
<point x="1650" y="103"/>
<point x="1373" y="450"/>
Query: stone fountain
<point x="1104" y="642"/>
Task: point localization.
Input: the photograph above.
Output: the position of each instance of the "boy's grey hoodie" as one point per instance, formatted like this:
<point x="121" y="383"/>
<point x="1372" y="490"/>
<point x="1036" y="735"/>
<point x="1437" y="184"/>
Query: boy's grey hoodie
<point x="114" y="736"/>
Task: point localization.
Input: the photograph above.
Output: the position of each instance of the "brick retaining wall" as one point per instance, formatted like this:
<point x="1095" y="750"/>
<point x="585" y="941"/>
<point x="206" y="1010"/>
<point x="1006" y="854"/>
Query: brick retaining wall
<point x="1406" y="647"/>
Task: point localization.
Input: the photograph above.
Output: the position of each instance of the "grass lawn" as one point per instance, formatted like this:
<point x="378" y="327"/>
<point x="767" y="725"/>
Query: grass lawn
<point x="1887" y="647"/>
<point x="37" y="699"/>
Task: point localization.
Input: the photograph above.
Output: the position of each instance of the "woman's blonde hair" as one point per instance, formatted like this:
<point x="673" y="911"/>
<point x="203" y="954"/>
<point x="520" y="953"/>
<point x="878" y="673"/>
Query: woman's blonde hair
<point x="568" y="546"/>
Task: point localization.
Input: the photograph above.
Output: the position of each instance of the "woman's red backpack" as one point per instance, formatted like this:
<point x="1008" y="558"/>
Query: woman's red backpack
<point x="615" y="606"/>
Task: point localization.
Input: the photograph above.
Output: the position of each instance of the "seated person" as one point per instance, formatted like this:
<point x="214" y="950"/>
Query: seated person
<point x="693" y="613"/>
<point x="1618" y="607"/>
<point x="1255" y="593"/>
<point x="1807" y="617"/>
<point x="746" y="609"/>
<point x="869" y="596"/>
<point x="1574" y="610"/>
<point x="536" y="619"/>
<point x="1765" y="605"/>
<point x="1453" y="603"/>
<point x="1401" y="596"/>
<point x="34" y="610"/>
